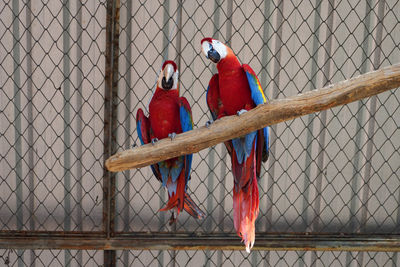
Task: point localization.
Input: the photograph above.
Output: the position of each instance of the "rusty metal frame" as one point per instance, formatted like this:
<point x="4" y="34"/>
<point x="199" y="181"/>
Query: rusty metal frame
<point x="196" y="241"/>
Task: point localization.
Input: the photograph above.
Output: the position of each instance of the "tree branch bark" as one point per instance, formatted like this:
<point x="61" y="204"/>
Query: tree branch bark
<point x="275" y="111"/>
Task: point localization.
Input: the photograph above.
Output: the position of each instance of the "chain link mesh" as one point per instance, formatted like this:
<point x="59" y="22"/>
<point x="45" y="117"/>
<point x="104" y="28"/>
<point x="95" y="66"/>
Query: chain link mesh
<point x="51" y="98"/>
<point x="335" y="171"/>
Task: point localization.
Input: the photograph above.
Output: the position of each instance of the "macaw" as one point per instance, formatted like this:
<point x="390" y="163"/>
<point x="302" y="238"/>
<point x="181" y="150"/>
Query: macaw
<point x="169" y="115"/>
<point x="236" y="89"/>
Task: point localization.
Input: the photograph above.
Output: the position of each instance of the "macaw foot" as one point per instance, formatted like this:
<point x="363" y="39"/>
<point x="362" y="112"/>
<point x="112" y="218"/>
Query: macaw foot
<point x="208" y="123"/>
<point x="172" y="136"/>
<point x="172" y="220"/>
<point x="133" y="145"/>
<point x="154" y="140"/>
<point x="240" y="112"/>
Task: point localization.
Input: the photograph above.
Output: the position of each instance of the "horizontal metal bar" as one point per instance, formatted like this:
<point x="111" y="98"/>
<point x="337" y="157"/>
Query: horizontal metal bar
<point x="196" y="241"/>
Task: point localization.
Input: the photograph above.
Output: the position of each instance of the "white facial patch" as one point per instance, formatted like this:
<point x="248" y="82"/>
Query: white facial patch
<point x="160" y="76"/>
<point x="175" y="78"/>
<point x="205" y="47"/>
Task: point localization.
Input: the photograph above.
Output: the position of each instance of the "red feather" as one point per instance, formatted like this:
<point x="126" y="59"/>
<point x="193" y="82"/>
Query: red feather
<point x="206" y="39"/>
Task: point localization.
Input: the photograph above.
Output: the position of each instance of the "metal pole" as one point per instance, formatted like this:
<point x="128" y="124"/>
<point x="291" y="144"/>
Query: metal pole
<point x="110" y="121"/>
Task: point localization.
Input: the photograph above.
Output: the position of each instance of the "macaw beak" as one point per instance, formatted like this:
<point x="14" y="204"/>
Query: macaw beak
<point x="213" y="55"/>
<point x="167" y="80"/>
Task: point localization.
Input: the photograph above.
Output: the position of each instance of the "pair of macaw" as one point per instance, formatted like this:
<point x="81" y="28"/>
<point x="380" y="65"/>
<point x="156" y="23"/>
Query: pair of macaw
<point x="234" y="90"/>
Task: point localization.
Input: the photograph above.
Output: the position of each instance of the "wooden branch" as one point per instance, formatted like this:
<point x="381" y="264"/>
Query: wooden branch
<point x="275" y="111"/>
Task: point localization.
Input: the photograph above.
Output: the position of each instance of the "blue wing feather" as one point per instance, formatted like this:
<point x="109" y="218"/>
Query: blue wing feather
<point x="187" y="125"/>
<point x="257" y="95"/>
<point x="266" y="138"/>
<point x="243" y="146"/>
<point x="139" y="131"/>
<point x="185" y="115"/>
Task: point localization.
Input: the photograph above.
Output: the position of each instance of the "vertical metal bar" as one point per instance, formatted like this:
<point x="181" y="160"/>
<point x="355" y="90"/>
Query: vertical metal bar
<point x="110" y="121"/>
<point x="222" y="199"/>
<point x="178" y="60"/>
<point x="210" y="186"/>
<point x="31" y="160"/>
<point x="17" y="114"/>
<point x="396" y="254"/>
<point x="229" y="11"/>
<point x="79" y="80"/>
<point x="275" y="92"/>
<point x="165" y="45"/>
<point x="310" y="118"/>
<point x="356" y="180"/>
<point x="357" y="177"/>
<point x="221" y="215"/>
<point x="128" y="114"/>
<point x="128" y="137"/>
<point x="306" y="214"/>
<point x="266" y="184"/>
<point x="321" y="137"/>
<point x="371" y="122"/>
<point x="17" y="122"/>
<point x="211" y="157"/>
<point x="179" y="36"/>
<point x="67" y="125"/>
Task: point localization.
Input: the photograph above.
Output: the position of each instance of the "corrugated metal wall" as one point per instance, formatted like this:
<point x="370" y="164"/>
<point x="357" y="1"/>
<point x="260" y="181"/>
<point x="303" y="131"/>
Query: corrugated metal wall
<point x="336" y="171"/>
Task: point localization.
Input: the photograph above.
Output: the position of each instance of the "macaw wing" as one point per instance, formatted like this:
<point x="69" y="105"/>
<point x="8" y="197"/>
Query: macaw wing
<point x="257" y="93"/>
<point x="258" y="97"/>
<point x="144" y="132"/>
<point x="213" y="101"/>
<point x="185" y="114"/>
<point x="215" y="105"/>
<point x="143" y="127"/>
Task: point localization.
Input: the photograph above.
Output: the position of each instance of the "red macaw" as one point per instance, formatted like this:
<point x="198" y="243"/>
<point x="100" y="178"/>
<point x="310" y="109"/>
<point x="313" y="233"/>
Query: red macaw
<point x="233" y="90"/>
<point x="169" y="115"/>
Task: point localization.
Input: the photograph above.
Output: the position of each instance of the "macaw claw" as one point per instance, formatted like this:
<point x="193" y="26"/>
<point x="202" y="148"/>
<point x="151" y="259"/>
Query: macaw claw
<point x="240" y="112"/>
<point x="133" y="145"/>
<point x="208" y="123"/>
<point x="172" y="136"/>
<point x="154" y="140"/>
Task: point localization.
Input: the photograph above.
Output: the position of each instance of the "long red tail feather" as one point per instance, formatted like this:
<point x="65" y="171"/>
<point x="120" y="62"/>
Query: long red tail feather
<point x="245" y="199"/>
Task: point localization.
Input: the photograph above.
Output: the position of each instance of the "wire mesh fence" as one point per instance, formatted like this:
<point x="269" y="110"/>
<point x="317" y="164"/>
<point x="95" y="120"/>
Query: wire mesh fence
<point x="196" y="258"/>
<point x="335" y="171"/>
<point x="52" y="99"/>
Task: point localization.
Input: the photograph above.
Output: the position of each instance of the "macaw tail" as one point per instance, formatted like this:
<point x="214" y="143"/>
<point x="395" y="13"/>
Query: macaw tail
<point x="245" y="212"/>
<point x="191" y="208"/>
<point x="179" y="199"/>
<point x="245" y="198"/>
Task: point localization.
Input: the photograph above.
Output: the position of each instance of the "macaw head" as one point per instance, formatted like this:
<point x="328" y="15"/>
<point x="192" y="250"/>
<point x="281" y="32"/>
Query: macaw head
<point x="215" y="50"/>
<point x="168" y="77"/>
